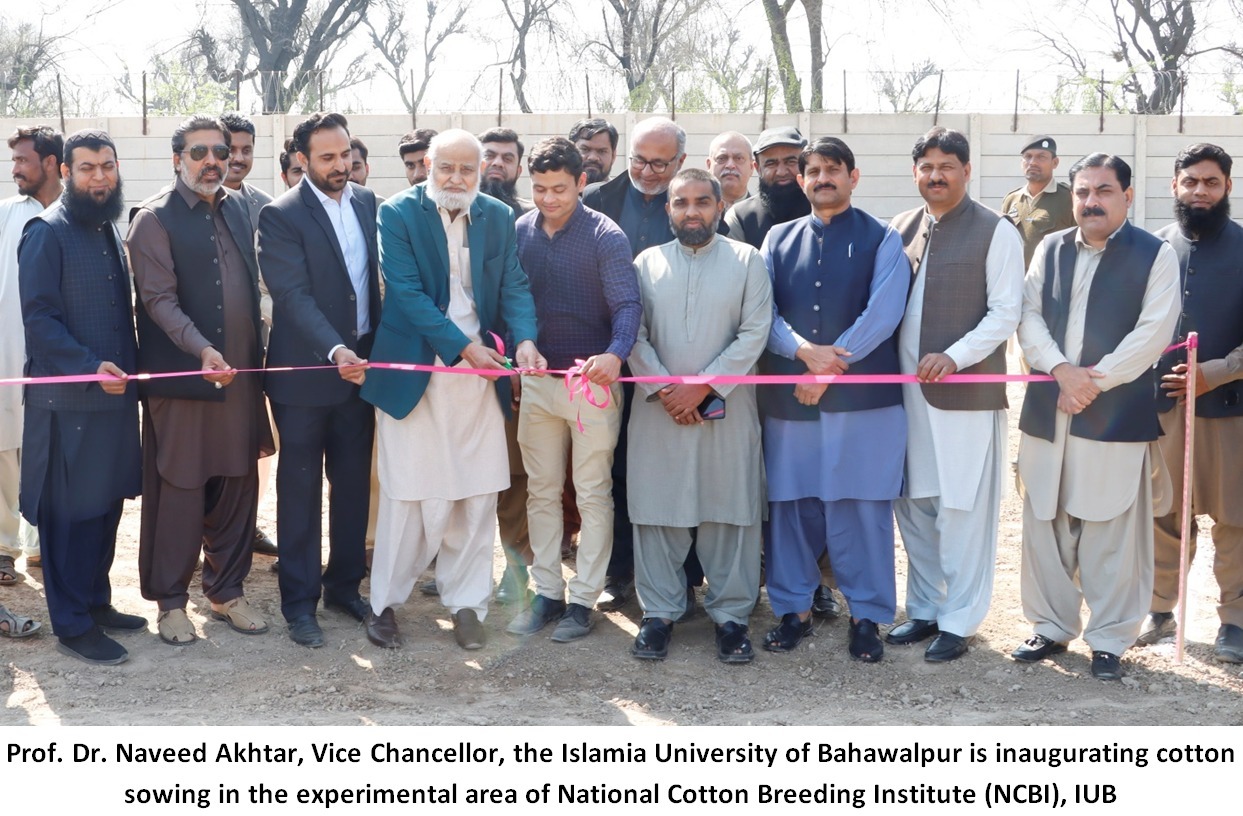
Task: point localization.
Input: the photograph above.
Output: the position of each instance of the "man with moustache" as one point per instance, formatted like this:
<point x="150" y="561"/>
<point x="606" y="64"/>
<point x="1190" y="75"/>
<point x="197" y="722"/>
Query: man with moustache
<point x="502" y="165"/>
<point x="1100" y="303"/>
<point x="359" y="168"/>
<point x="317" y="251"/>
<point x="80" y="450"/>
<point x="1042" y="205"/>
<point x="1209" y="246"/>
<point x="707" y="309"/>
<point x="451" y="261"/>
<point x="596" y="140"/>
<point x="241" y="160"/>
<point x="37" y="152"/>
<point x="965" y="301"/>
<point x="412" y="149"/>
<point x="833" y="454"/>
<point x="197" y="278"/>
<point x="729" y="160"/>
<point x="781" y="199"/>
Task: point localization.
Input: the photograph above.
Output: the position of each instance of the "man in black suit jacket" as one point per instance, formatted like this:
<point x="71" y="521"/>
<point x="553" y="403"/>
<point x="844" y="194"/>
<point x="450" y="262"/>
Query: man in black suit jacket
<point x="317" y="252"/>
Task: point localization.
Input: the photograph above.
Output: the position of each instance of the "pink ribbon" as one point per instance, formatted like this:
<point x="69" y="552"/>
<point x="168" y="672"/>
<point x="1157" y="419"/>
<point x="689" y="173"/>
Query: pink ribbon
<point x="575" y="384"/>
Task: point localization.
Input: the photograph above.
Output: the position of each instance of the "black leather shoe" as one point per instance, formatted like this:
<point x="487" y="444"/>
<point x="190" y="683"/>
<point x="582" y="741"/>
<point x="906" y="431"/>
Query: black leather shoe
<point x="262" y="544"/>
<point x="110" y="620"/>
<point x="732" y="643"/>
<point x="468" y="631"/>
<point x="356" y="607"/>
<point x="1157" y="626"/>
<point x="946" y="647"/>
<point x="1037" y="648"/>
<point x="865" y="642"/>
<point x="824" y="604"/>
<point x="1228" y="648"/>
<point x="911" y="631"/>
<point x="787" y="635"/>
<point x="382" y="629"/>
<point x="93" y="646"/>
<point x="1106" y="666"/>
<point x="304" y="630"/>
<point x="652" y="642"/>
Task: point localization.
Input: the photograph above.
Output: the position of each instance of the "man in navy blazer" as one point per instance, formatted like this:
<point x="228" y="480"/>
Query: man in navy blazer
<point x="452" y="277"/>
<point x="317" y="252"/>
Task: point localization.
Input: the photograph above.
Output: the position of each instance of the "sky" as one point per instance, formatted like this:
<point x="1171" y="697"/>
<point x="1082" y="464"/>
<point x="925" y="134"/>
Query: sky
<point x="977" y="42"/>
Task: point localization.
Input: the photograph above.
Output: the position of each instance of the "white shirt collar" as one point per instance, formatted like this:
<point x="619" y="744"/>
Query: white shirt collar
<point x="346" y="196"/>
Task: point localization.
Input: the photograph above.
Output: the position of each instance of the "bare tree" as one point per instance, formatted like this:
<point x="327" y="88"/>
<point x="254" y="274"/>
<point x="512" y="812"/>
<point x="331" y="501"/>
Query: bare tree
<point x="778" y="14"/>
<point x="527" y="17"/>
<point x="901" y="88"/>
<point x="287" y="46"/>
<point x="393" y="43"/>
<point x="634" y="40"/>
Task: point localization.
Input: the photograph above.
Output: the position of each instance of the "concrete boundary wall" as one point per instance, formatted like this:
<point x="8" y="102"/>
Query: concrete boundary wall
<point x="881" y="143"/>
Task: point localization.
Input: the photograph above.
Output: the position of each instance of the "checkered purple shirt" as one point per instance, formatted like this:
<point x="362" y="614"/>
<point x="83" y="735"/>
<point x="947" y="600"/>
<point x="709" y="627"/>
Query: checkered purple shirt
<point x="585" y="289"/>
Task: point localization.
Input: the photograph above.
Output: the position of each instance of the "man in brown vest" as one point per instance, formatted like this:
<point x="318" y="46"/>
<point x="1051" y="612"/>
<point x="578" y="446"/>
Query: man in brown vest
<point x="966" y="299"/>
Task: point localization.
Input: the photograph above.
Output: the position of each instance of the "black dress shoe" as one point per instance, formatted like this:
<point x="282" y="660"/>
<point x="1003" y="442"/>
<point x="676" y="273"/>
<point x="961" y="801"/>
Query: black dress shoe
<point x="93" y="646"/>
<point x="1228" y="648"/>
<point x="1037" y="648"/>
<point x="1156" y="627"/>
<point x="382" y="629"/>
<point x="911" y="631"/>
<point x="468" y="631"/>
<point x="356" y="607"/>
<point x="787" y="635"/>
<point x="304" y="630"/>
<point x="652" y="642"/>
<point x="110" y="620"/>
<point x="865" y="642"/>
<point x="946" y="647"/>
<point x="1106" y="666"/>
<point x="262" y="544"/>
<point x="824" y="605"/>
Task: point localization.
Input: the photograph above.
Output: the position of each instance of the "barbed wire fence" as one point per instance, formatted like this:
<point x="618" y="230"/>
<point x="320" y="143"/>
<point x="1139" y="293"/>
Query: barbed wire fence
<point x="177" y="93"/>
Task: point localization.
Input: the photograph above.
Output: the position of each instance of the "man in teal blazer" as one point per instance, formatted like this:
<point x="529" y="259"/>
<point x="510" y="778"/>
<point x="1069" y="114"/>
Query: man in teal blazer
<point x="450" y="265"/>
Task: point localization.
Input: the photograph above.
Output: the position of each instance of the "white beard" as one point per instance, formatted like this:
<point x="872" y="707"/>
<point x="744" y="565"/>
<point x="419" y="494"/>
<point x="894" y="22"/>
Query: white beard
<point x="450" y="201"/>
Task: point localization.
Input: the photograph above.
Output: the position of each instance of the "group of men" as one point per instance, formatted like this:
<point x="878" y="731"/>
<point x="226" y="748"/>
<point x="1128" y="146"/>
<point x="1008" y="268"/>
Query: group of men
<point x="677" y="280"/>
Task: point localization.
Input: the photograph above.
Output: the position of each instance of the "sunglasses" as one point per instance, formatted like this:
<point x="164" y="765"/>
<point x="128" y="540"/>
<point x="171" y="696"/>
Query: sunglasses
<point x="199" y="152"/>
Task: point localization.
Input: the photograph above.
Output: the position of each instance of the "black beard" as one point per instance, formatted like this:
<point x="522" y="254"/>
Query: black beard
<point x="695" y="236"/>
<point x="784" y="201"/>
<point x="84" y="209"/>
<point x="506" y="191"/>
<point x="1199" y="222"/>
<point x="594" y="175"/>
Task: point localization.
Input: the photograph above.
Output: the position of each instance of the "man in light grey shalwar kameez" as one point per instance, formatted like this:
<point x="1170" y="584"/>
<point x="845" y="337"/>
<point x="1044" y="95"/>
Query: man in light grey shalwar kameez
<point x="707" y="309"/>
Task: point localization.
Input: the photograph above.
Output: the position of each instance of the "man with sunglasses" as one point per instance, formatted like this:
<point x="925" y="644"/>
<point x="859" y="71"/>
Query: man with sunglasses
<point x="194" y="263"/>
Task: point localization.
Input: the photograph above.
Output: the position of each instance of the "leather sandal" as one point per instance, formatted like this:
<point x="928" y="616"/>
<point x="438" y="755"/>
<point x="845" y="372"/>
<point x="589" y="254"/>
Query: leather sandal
<point x="8" y="571"/>
<point x="787" y="635"/>
<point x="175" y="628"/>
<point x="732" y="643"/>
<point x="240" y="616"/>
<point x="652" y="642"/>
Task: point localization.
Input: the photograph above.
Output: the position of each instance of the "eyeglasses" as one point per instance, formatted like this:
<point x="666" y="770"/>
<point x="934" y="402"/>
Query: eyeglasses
<point x="657" y="165"/>
<point x="199" y="152"/>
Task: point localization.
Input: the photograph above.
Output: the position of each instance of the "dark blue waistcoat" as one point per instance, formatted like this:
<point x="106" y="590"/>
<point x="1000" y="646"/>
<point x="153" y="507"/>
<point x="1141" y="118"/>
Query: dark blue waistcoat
<point x="1127" y="412"/>
<point x="1212" y="274"/>
<point x="822" y="284"/>
<point x="94" y="292"/>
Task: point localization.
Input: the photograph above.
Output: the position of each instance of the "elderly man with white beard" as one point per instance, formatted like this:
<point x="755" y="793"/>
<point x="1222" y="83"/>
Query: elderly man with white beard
<point x="450" y="263"/>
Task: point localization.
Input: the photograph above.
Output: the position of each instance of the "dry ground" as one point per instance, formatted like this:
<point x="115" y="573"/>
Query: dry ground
<point x="232" y="678"/>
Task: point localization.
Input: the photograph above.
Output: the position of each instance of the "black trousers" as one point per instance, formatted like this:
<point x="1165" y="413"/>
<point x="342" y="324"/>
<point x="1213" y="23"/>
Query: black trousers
<point x="336" y="440"/>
